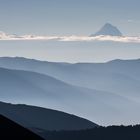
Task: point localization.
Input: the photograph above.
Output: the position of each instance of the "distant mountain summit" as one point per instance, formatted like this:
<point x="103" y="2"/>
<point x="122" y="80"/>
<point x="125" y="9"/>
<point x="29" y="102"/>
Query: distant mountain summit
<point x="108" y="29"/>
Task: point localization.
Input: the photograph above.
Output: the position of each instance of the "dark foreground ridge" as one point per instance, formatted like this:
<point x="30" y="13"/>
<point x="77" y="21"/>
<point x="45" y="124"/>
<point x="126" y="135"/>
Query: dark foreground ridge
<point x="9" y="130"/>
<point x="100" y="133"/>
<point x="43" y="118"/>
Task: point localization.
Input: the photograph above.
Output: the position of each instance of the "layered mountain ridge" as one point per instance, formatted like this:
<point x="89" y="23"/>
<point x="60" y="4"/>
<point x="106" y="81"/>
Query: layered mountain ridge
<point x="102" y="92"/>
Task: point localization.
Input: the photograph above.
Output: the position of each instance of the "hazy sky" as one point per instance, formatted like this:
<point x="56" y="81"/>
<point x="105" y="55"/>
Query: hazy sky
<point x="66" y="17"/>
<point x="69" y="17"/>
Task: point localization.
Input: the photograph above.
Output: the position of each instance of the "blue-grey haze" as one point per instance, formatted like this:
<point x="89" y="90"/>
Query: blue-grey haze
<point x="70" y="51"/>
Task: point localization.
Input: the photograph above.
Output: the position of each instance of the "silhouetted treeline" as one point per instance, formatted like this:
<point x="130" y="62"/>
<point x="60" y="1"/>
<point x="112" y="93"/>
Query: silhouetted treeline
<point x="100" y="133"/>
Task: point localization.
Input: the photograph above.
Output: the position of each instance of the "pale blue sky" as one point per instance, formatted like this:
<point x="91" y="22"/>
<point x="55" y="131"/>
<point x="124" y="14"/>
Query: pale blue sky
<point x="64" y="17"/>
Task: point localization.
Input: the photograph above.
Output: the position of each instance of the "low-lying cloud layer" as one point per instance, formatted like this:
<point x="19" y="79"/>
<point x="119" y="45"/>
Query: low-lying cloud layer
<point x="123" y="39"/>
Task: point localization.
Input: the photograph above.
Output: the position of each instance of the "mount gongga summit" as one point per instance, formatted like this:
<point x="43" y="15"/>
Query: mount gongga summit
<point x="108" y="29"/>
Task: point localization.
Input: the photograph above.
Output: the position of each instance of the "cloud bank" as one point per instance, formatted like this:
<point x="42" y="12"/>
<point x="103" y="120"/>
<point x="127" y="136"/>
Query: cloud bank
<point x="122" y="39"/>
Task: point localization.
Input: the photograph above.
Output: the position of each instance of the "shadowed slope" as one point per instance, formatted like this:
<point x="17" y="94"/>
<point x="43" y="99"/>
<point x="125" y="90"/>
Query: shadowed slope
<point x="9" y="130"/>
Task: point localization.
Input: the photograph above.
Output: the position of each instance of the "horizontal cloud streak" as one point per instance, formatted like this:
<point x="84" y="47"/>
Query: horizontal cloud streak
<point x="123" y="39"/>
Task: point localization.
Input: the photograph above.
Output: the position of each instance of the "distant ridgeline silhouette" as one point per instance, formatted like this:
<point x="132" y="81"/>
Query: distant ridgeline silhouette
<point x="108" y="29"/>
<point x="99" y="133"/>
<point x="9" y="130"/>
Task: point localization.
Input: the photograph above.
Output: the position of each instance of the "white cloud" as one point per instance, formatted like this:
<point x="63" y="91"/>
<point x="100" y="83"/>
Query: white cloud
<point x="123" y="39"/>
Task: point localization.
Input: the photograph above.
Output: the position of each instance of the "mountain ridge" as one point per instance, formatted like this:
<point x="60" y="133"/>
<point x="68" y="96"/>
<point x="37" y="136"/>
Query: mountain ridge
<point x="43" y="118"/>
<point x="100" y="86"/>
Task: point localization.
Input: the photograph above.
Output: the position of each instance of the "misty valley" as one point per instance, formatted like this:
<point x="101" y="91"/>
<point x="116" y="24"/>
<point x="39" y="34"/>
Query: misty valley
<point x="105" y="94"/>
